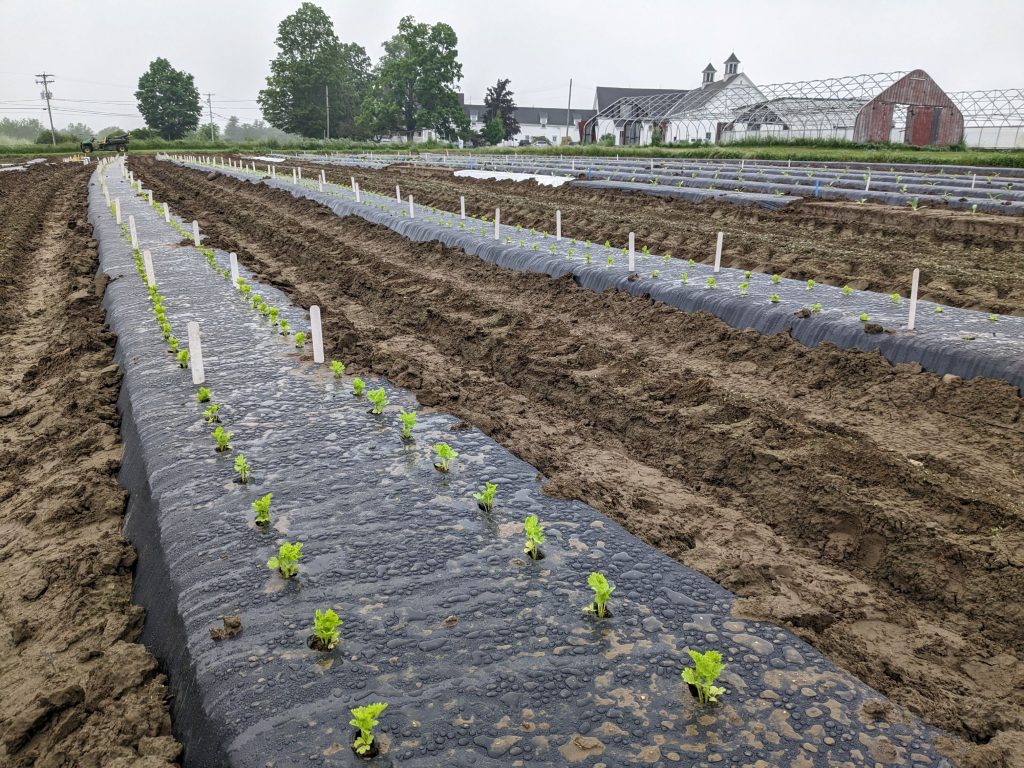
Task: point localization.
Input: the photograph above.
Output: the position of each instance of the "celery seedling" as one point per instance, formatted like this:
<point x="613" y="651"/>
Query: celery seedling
<point x="379" y="398"/>
<point x="485" y="498"/>
<point x="243" y="468"/>
<point x="210" y="414"/>
<point x="938" y="310"/>
<point x="774" y="298"/>
<point x="776" y="278"/>
<point x="365" y="719"/>
<point x="172" y="342"/>
<point x="863" y="317"/>
<point x="810" y="285"/>
<point x="300" y="339"/>
<point x="602" y="591"/>
<point x="712" y="282"/>
<point x="706" y="668"/>
<point x="284" y="326"/>
<point x="222" y="439"/>
<point x="534" y="536"/>
<point x="203" y="395"/>
<point x="286" y="562"/>
<point x="325" y="628"/>
<point x="262" y="509"/>
<point x="408" y="419"/>
<point x="445" y="453"/>
<point x="272" y="313"/>
<point x="183" y="358"/>
<point x="337" y="368"/>
<point x="358" y="385"/>
<point x="847" y="290"/>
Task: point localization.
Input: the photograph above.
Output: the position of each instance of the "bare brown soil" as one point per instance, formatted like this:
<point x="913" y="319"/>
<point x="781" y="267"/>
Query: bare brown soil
<point x="965" y="260"/>
<point x="874" y="510"/>
<point x="75" y="687"/>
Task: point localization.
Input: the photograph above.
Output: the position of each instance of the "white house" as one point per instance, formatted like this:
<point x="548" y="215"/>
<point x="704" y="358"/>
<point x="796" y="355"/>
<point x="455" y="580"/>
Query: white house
<point x="551" y="123"/>
<point x="638" y="115"/>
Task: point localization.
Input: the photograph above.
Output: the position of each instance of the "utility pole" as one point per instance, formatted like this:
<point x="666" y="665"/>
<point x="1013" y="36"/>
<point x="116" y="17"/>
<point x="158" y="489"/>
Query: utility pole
<point x="45" y="82"/>
<point x="568" y="110"/>
<point x="209" y="105"/>
<point x="327" y="101"/>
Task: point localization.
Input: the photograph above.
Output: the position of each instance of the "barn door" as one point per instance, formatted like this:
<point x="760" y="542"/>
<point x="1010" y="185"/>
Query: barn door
<point x="921" y="126"/>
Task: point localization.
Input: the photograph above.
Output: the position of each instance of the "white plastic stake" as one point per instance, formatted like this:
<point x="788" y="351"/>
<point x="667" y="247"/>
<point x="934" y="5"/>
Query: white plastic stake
<point x="273" y="171"/>
<point x="150" y="193"/>
<point x="359" y="196"/>
<point x="195" y="353"/>
<point x="412" y="208"/>
<point x="132" y="232"/>
<point x="718" y="252"/>
<point x="319" y="185"/>
<point x="398" y="193"/>
<point x="295" y="178"/>
<point x="558" y="225"/>
<point x="913" y="299"/>
<point x="167" y="214"/>
<point x="117" y="210"/>
<point x="323" y="177"/>
<point x="195" y="232"/>
<point x="462" y="207"/>
<point x="106" y="196"/>
<point x="632" y="252"/>
<point x="316" y="331"/>
<point x="233" y="261"/>
<point x="300" y="174"/>
<point x="147" y="262"/>
<point x="497" y="223"/>
<point x="974" y="179"/>
<point x="867" y="184"/>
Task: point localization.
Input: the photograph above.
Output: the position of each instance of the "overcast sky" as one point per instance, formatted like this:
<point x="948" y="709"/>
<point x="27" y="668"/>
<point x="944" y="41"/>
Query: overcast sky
<point x="97" y="55"/>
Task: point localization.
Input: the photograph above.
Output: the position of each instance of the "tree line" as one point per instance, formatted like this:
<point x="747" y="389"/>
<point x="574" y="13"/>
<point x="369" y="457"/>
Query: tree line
<point x="321" y="87"/>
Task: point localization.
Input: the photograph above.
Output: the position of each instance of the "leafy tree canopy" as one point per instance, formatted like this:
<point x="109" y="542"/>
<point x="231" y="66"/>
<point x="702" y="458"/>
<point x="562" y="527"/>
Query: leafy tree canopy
<point x="168" y="99"/>
<point x="494" y="130"/>
<point x="313" y="67"/>
<point x="414" y="84"/>
<point x="499" y="102"/>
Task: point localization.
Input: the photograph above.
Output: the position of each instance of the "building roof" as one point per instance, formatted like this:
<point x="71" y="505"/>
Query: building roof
<point x="732" y="59"/>
<point x="607" y="95"/>
<point x="709" y="68"/>
<point x="531" y="115"/>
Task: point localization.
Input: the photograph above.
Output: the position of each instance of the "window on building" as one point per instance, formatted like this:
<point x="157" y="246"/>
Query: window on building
<point x="474" y="116"/>
<point x="543" y="119"/>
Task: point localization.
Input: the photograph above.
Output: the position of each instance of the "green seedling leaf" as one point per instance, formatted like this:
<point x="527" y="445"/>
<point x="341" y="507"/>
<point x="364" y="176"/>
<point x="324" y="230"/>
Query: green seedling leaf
<point x="379" y="398"/>
<point x="222" y="439"/>
<point x="358" y="386"/>
<point x="210" y="414"/>
<point x="810" y="285"/>
<point x="325" y="627"/>
<point x="712" y="282"/>
<point x="262" y="509"/>
<point x="183" y="358"/>
<point x="847" y="290"/>
<point x="863" y="317"/>
<point x="365" y="719"/>
<point x="774" y="298"/>
<point x="300" y="339"/>
<point x="337" y="368"/>
<point x="895" y="298"/>
<point x="286" y="562"/>
<point x="408" y="419"/>
<point x="284" y="326"/>
<point x="776" y="279"/>
<point x="486" y="496"/>
<point x="243" y="468"/>
<point x="602" y="592"/>
<point x="534" y="536"/>
<point x="203" y="395"/>
<point x="705" y="670"/>
<point x="445" y="454"/>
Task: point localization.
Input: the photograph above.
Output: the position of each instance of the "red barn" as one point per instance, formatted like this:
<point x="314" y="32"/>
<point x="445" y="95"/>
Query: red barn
<point x="914" y="106"/>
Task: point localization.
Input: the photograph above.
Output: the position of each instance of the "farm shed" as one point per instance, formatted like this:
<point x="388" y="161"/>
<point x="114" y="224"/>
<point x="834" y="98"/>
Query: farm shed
<point x="914" y="105"/>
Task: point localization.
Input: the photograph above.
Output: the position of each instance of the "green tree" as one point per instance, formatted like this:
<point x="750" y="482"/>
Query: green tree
<point x="499" y="102"/>
<point x="313" y="67"/>
<point x="414" y="84"/>
<point x="26" y="129"/>
<point x="79" y="130"/>
<point x="494" y="131"/>
<point x="168" y="99"/>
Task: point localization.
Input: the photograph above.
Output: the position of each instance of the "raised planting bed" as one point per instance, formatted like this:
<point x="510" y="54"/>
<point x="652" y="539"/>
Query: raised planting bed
<point x="990" y="190"/>
<point x="946" y="340"/>
<point x="483" y="655"/>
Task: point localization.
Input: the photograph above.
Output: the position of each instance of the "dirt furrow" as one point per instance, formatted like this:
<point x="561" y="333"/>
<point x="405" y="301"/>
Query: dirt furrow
<point x="77" y="689"/>
<point x="965" y="260"/>
<point x="868" y="507"/>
